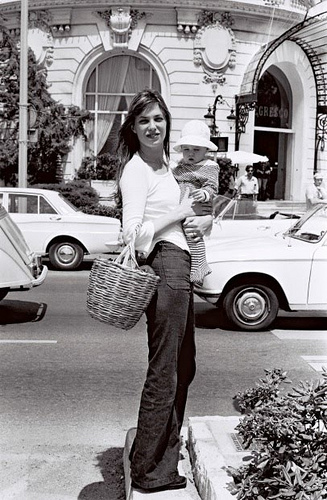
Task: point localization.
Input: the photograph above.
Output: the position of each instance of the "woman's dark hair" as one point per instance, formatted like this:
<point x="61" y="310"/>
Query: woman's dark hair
<point x="128" y="143"/>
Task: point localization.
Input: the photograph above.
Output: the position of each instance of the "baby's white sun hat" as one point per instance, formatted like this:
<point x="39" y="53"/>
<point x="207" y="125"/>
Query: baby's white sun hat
<point x="195" y="133"/>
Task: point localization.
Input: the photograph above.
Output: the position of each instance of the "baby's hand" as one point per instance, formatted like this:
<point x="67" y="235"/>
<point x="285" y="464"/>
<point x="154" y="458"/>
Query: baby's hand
<point x="199" y="195"/>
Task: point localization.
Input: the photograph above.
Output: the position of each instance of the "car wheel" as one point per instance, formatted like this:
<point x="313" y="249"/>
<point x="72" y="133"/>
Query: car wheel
<point x="251" y="307"/>
<point x="66" y="255"/>
<point x="3" y="292"/>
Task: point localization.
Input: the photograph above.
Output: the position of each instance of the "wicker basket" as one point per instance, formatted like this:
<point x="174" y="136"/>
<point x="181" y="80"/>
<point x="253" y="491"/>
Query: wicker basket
<point x="119" y="291"/>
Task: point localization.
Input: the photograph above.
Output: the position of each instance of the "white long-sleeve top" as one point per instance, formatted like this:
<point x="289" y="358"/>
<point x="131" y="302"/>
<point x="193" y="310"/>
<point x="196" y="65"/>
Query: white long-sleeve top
<point x="147" y="196"/>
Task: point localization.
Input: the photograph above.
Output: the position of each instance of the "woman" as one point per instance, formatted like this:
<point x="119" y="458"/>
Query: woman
<point x="152" y="210"/>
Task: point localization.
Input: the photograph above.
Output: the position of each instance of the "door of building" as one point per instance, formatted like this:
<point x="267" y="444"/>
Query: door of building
<point x="273" y="145"/>
<point x="273" y="127"/>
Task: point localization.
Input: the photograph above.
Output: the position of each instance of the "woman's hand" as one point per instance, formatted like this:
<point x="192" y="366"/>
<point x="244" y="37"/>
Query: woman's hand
<point x="196" y="227"/>
<point x="205" y="208"/>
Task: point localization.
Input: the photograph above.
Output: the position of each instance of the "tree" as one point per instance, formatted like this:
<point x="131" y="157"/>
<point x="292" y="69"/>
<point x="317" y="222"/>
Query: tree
<point x="56" y="124"/>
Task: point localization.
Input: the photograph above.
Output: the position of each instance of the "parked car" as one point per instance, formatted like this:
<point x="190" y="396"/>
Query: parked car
<point x="232" y="221"/>
<point x="52" y="226"/>
<point x="20" y="268"/>
<point x="252" y="278"/>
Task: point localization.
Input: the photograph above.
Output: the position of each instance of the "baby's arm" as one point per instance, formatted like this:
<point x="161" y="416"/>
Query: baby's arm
<point x="211" y="184"/>
<point x="200" y="195"/>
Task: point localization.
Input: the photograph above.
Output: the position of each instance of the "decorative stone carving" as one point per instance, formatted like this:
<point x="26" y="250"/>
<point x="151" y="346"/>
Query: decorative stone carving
<point x="121" y="21"/>
<point x="120" y="24"/>
<point x="61" y="22"/>
<point x="41" y="36"/>
<point x="215" y="80"/>
<point x="214" y="46"/>
<point x="187" y="21"/>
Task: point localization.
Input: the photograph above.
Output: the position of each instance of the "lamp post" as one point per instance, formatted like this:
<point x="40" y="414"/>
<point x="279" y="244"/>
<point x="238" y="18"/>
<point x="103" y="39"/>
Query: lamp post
<point x="210" y="116"/>
<point x="23" y="96"/>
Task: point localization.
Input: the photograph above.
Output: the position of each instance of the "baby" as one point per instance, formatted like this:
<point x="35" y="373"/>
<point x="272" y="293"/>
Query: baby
<point x="200" y="175"/>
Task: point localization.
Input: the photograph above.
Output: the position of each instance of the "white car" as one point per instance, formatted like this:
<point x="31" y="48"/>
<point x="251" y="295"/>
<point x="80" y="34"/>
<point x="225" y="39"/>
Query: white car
<point x="52" y="226"/>
<point x="231" y="220"/>
<point x="20" y="268"/>
<point x="252" y="278"/>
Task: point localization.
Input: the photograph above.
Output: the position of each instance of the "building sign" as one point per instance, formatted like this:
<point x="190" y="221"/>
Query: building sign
<point x="272" y="112"/>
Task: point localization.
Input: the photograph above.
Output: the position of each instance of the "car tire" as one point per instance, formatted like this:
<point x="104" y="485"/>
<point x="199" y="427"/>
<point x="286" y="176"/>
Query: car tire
<point x="251" y="307"/>
<point x="66" y="255"/>
<point x="3" y="292"/>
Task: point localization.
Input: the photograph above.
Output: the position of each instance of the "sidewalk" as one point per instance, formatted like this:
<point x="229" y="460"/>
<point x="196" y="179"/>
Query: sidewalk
<point x="184" y="466"/>
<point x="212" y="443"/>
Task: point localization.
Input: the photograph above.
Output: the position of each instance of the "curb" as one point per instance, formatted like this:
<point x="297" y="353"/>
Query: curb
<point x="212" y="445"/>
<point x="184" y="467"/>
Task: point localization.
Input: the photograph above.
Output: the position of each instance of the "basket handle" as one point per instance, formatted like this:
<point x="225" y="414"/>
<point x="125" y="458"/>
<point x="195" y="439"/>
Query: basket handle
<point x="128" y="253"/>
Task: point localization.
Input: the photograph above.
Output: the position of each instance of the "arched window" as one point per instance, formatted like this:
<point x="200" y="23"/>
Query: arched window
<point x="273" y="128"/>
<point x="110" y="89"/>
<point x="273" y="106"/>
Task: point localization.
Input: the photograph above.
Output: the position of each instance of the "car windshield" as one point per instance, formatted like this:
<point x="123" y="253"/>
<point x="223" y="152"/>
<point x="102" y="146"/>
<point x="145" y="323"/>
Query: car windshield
<point x="232" y="209"/>
<point x="312" y="227"/>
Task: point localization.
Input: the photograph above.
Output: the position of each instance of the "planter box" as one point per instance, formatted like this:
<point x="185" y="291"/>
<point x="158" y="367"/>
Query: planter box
<point x="106" y="190"/>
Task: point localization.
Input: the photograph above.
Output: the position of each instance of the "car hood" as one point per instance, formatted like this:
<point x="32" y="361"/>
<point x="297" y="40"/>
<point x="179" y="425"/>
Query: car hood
<point x="257" y="248"/>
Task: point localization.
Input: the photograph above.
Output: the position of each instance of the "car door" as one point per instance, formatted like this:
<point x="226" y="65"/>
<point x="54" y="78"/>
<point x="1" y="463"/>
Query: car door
<point x="35" y="216"/>
<point x="317" y="292"/>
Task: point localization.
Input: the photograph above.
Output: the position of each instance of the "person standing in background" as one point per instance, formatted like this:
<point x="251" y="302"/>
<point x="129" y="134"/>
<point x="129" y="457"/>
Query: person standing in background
<point x="247" y="189"/>
<point x="316" y="193"/>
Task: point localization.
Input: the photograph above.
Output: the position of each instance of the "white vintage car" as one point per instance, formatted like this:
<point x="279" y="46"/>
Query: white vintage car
<point x="20" y="268"/>
<point x="52" y="226"/>
<point x="232" y="220"/>
<point x="252" y="278"/>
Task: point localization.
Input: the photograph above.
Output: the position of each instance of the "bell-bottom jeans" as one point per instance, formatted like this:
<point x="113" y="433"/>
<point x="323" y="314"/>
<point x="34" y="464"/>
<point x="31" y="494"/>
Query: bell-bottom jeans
<point x="171" y="369"/>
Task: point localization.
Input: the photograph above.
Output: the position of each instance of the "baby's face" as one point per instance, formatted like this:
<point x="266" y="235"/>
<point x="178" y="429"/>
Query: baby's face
<point x="193" y="154"/>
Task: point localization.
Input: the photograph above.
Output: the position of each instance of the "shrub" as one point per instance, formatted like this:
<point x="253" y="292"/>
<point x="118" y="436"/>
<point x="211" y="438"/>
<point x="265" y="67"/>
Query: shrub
<point x="79" y="193"/>
<point x="105" y="210"/>
<point x="83" y="196"/>
<point x="226" y="175"/>
<point x="289" y="460"/>
<point x="101" y="167"/>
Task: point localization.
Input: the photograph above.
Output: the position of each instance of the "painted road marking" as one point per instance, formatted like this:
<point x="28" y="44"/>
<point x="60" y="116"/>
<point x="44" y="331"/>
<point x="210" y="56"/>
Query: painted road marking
<point x="316" y="362"/>
<point x="300" y="335"/>
<point x="10" y="341"/>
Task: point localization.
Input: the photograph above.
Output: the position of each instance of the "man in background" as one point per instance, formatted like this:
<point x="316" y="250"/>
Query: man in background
<point x="316" y="193"/>
<point x="247" y="189"/>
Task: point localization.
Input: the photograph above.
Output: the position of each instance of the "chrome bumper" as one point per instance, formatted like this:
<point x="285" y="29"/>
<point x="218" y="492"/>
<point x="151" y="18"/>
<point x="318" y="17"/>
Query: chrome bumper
<point x="40" y="279"/>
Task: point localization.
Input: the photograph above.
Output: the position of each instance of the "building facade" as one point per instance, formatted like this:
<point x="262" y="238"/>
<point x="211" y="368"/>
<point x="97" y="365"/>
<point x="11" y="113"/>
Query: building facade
<point x="259" y="65"/>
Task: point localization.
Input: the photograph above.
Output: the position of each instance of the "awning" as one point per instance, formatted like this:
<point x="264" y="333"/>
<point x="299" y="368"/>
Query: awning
<point x="311" y="36"/>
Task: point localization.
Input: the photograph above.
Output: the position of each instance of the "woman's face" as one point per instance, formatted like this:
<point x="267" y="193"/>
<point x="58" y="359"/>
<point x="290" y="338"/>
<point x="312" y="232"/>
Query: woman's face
<point x="150" y="127"/>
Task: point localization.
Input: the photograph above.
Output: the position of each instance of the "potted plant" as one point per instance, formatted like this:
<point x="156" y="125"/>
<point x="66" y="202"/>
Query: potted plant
<point x="288" y="436"/>
<point x="100" y="171"/>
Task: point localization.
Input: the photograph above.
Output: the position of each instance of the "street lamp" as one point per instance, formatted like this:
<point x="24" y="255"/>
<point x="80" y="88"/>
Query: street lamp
<point x="23" y="97"/>
<point x="210" y="116"/>
<point x="210" y="120"/>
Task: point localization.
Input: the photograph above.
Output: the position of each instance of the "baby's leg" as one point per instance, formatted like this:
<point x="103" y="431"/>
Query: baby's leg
<point x="199" y="265"/>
